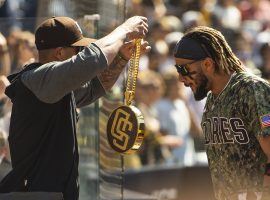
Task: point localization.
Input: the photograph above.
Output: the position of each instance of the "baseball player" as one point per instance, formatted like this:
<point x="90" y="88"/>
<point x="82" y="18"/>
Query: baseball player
<point x="236" y="119"/>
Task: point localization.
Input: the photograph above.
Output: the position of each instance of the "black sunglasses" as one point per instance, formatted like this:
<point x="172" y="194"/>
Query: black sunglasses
<point x="182" y="69"/>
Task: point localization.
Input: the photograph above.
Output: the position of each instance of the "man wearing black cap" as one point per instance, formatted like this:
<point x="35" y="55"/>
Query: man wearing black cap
<point x="45" y="95"/>
<point x="236" y="119"/>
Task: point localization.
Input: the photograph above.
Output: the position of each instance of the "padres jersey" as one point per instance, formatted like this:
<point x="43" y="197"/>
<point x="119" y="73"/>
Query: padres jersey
<point x="232" y="124"/>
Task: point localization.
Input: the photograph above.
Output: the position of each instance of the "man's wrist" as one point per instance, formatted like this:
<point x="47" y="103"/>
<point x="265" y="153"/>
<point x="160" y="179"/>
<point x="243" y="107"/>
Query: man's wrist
<point x="122" y="33"/>
<point x="121" y="61"/>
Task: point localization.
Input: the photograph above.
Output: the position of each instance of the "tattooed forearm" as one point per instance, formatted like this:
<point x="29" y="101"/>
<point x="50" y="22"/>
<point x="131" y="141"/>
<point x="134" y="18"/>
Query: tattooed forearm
<point x="109" y="76"/>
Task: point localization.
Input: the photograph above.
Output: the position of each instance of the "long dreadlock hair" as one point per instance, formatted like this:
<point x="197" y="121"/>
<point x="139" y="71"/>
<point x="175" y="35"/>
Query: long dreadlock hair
<point x="216" y="47"/>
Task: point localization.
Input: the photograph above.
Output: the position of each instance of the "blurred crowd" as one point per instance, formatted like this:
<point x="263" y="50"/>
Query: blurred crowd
<point x="172" y="116"/>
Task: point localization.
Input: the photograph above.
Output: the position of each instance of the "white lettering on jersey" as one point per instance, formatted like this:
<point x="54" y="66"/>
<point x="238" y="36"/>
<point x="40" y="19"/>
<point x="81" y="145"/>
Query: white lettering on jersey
<point x="224" y="131"/>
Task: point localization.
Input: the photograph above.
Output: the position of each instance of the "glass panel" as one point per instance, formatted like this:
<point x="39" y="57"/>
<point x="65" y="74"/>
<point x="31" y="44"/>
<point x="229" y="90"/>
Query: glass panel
<point x="88" y="144"/>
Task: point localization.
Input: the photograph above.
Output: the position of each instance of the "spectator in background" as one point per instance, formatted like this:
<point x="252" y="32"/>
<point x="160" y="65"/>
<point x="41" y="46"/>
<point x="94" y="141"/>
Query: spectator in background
<point x="26" y="50"/>
<point x="206" y="7"/>
<point x="227" y="14"/>
<point x="165" y="25"/>
<point x="265" y="54"/>
<point x="170" y="40"/>
<point x="170" y="23"/>
<point x="22" y="49"/>
<point x="158" y="55"/>
<point x="29" y="12"/>
<point x="255" y="10"/>
<point x="149" y="89"/>
<point x="12" y="41"/>
<point x="242" y="45"/>
<point x="152" y="9"/>
<point x="7" y="17"/>
<point x="191" y="19"/>
<point x="175" y="120"/>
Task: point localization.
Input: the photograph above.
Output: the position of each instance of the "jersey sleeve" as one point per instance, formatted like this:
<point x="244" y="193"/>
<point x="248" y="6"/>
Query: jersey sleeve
<point x="257" y="103"/>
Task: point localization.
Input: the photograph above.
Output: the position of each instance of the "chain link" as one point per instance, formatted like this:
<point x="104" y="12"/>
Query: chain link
<point x="133" y="73"/>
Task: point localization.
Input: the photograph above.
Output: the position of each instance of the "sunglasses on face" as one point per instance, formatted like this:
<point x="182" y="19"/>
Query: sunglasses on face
<point x="182" y="69"/>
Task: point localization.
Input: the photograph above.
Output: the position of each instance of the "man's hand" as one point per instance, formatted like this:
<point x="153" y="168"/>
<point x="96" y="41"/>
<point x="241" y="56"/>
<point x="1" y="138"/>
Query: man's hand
<point x="127" y="48"/>
<point x="135" y="27"/>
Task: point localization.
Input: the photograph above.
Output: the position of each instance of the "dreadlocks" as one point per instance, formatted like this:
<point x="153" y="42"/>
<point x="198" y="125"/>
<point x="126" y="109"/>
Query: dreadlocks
<point x="216" y="47"/>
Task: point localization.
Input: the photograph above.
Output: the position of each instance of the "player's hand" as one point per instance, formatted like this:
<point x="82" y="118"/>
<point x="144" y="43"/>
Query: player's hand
<point x="135" y="27"/>
<point x="128" y="47"/>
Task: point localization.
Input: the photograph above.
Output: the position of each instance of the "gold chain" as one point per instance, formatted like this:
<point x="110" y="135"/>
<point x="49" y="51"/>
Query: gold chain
<point x="133" y="73"/>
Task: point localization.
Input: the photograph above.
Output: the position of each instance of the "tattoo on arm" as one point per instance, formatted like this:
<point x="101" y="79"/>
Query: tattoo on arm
<point x="110" y="75"/>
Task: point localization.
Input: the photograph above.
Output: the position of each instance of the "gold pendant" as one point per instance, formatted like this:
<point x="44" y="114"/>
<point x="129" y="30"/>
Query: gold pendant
<point x="125" y="127"/>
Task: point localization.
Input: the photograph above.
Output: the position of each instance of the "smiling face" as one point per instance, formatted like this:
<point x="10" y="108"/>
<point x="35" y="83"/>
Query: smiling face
<point x="196" y="79"/>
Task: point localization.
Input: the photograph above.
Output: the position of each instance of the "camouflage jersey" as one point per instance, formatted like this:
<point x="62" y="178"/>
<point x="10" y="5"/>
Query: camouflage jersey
<point x="232" y="124"/>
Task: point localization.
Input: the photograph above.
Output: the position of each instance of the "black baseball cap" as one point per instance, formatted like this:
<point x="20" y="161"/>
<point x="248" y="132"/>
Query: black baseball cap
<point x="189" y="48"/>
<point x="60" y="32"/>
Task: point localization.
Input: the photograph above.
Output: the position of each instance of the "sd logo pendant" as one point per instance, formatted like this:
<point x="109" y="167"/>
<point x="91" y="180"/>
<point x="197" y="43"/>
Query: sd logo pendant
<point x="125" y="129"/>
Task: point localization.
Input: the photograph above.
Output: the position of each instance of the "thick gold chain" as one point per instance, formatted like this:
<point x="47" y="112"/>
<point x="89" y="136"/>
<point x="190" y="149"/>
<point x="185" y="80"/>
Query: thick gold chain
<point x="133" y="73"/>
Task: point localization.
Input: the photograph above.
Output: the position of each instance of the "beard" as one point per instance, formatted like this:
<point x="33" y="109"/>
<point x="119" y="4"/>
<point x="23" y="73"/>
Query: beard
<point x="201" y="91"/>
